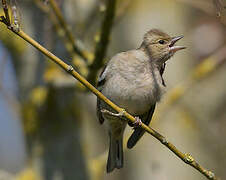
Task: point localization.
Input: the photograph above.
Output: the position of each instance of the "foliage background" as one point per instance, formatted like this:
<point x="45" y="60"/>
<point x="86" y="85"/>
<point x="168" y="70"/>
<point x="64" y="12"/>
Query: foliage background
<point x="49" y="129"/>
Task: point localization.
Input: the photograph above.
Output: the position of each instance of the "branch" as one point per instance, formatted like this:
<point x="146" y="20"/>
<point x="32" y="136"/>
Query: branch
<point x="187" y="158"/>
<point x="81" y="65"/>
<point x="66" y="28"/>
<point x="101" y="47"/>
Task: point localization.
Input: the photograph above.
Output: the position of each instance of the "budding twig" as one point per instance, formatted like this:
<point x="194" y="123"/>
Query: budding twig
<point x="101" y="47"/>
<point x="162" y="139"/>
<point x="187" y="158"/>
<point x="66" y="28"/>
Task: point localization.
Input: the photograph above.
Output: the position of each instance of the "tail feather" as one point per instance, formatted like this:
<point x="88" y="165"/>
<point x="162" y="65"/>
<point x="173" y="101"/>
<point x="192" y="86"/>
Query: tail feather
<point x="115" y="156"/>
<point x="139" y="132"/>
<point x="135" y="137"/>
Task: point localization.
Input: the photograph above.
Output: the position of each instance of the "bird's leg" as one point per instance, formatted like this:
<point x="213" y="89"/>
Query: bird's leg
<point x="110" y="114"/>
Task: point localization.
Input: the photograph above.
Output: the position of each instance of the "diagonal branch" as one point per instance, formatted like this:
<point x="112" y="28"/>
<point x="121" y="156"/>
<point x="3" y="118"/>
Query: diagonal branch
<point x="187" y="158"/>
<point x="101" y="47"/>
<point x="67" y="30"/>
<point x="68" y="41"/>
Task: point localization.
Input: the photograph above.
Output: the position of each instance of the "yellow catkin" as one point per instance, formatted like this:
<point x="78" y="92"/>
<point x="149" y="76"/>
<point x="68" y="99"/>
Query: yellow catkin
<point x="38" y="95"/>
<point x="204" y="69"/>
<point x="28" y="174"/>
<point x="176" y="94"/>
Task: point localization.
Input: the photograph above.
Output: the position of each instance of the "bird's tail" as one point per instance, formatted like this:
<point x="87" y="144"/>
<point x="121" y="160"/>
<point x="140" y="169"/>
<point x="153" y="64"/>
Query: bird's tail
<point x="135" y="137"/>
<point x="115" y="155"/>
<point x="139" y="132"/>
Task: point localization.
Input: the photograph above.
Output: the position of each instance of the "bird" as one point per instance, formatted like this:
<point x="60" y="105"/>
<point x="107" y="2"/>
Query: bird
<point x="134" y="81"/>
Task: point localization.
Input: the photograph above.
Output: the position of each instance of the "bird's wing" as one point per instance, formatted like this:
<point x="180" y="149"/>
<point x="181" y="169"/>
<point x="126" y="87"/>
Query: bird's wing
<point x="139" y="132"/>
<point x="146" y="118"/>
<point x="161" y="73"/>
<point x="102" y="78"/>
<point x="100" y="84"/>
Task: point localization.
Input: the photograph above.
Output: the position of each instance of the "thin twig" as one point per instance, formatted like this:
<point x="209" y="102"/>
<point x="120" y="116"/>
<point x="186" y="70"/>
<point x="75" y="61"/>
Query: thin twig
<point x="81" y="65"/>
<point x="67" y="30"/>
<point x="55" y="24"/>
<point x="101" y="47"/>
<point x="187" y="158"/>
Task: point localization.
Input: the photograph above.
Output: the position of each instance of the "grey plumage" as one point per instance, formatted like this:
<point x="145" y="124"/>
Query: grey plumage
<point x="133" y="80"/>
<point x="115" y="157"/>
<point x="136" y="96"/>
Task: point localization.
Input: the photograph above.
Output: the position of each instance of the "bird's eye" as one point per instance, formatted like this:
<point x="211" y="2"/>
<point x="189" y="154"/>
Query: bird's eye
<point x="161" y="41"/>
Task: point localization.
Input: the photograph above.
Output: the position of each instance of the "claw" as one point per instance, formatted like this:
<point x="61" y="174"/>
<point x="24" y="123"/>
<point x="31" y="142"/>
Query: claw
<point x="137" y="123"/>
<point x="122" y="112"/>
<point x="119" y="115"/>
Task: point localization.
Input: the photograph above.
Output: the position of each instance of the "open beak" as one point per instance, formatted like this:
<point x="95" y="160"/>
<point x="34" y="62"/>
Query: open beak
<point x="175" y="48"/>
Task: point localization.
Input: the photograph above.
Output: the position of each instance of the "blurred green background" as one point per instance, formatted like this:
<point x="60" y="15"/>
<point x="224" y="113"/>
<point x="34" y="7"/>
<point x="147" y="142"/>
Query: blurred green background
<point x="49" y="129"/>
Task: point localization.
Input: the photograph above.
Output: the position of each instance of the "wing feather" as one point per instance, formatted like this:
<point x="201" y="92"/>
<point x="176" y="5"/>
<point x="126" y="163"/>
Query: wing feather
<point x="100" y="84"/>
<point x="139" y="132"/>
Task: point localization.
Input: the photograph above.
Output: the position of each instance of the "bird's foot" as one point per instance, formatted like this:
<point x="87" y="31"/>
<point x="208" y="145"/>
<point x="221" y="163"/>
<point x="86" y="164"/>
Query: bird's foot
<point x="137" y="122"/>
<point x="122" y="112"/>
<point x="109" y="113"/>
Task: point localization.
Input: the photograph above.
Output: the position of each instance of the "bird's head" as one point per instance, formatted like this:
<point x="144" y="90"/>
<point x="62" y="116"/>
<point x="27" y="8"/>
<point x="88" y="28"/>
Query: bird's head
<point x="159" y="46"/>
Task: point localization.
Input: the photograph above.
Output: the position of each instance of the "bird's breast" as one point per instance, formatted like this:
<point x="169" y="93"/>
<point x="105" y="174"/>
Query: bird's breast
<point x="135" y="95"/>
